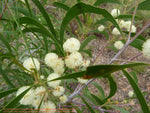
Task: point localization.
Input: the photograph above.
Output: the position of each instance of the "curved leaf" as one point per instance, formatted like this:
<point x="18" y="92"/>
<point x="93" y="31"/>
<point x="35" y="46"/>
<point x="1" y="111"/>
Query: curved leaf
<point x="138" y="93"/>
<point x="86" y="41"/>
<point x="32" y="21"/>
<point x="45" y="15"/>
<point x="120" y="109"/>
<point x="3" y="39"/>
<point x="5" y="93"/>
<point x="27" y="4"/>
<point x="100" y="89"/>
<point x="105" y="70"/>
<point x="61" y="5"/>
<point x="70" y="76"/>
<point x="65" y="7"/>
<point x="81" y="8"/>
<point x="13" y="102"/>
<point x="113" y="87"/>
<point x="134" y="76"/>
<point x="87" y="52"/>
<point x="89" y="107"/>
<point x="98" y="71"/>
<point x="98" y="100"/>
<point x="99" y="2"/>
<point x="145" y="5"/>
<point x="126" y="17"/>
<point x="6" y="78"/>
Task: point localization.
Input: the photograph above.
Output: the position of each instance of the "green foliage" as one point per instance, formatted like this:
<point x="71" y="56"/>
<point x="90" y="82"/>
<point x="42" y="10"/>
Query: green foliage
<point x="29" y="31"/>
<point x="144" y="5"/>
<point x="5" y="93"/>
<point x="15" y="101"/>
<point x="99" y="2"/>
<point x="138" y="93"/>
<point x="82" y="8"/>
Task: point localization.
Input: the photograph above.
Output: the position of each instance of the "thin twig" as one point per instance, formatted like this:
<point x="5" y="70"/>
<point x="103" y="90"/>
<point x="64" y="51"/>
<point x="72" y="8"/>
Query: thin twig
<point x="78" y="91"/>
<point x="5" y="6"/>
<point x="129" y="37"/>
<point x="127" y="43"/>
<point x="139" y="54"/>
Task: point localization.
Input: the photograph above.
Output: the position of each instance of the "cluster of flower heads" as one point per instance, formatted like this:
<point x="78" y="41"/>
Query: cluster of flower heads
<point x="122" y="24"/>
<point x="35" y="97"/>
<point x="73" y="60"/>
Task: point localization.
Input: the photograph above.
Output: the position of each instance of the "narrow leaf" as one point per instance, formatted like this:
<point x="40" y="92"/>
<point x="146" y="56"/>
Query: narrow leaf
<point x="89" y="107"/>
<point x="65" y="7"/>
<point x="45" y="15"/>
<point x="3" y="39"/>
<point x="86" y="41"/>
<point x="6" y="78"/>
<point x="61" y="5"/>
<point x="99" y="2"/>
<point x="98" y="100"/>
<point x="120" y="109"/>
<point x="70" y="76"/>
<point x="134" y="76"/>
<point x="126" y="17"/>
<point x="27" y="4"/>
<point x="98" y="71"/>
<point x="138" y="93"/>
<point x="81" y="8"/>
<point x="5" y="93"/>
<point x="87" y="52"/>
<point x="104" y="70"/>
<point x="100" y="89"/>
<point x="145" y="5"/>
<point x="13" y="102"/>
<point x="113" y="87"/>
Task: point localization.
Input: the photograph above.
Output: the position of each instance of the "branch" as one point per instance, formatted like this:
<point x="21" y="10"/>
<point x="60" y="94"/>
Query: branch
<point x="5" y="6"/>
<point x="128" y="42"/>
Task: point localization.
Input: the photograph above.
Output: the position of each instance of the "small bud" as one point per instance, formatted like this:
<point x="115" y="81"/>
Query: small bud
<point x="130" y="93"/>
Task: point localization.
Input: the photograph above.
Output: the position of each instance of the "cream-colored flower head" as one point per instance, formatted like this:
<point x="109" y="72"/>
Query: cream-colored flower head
<point x="50" y="59"/>
<point x="115" y="31"/>
<point x="73" y="60"/>
<point x="36" y="102"/>
<point x="31" y="64"/>
<point x="101" y="28"/>
<point x="146" y="49"/>
<point x="86" y="63"/>
<point x="118" y="45"/>
<point x="39" y="93"/>
<point x="122" y="24"/>
<point x="58" y="66"/>
<point x="130" y="93"/>
<point x="59" y="90"/>
<point x="48" y="107"/>
<point x="28" y="97"/>
<point x="55" y="83"/>
<point x="63" y="99"/>
<point x="82" y="81"/>
<point x="59" y="70"/>
<point x="127" y="24"/>
<point x="133" y="29"/>
<point x="115" y="12"/>
<point x="71" y="45"/>
<point x="42" y="77"/>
